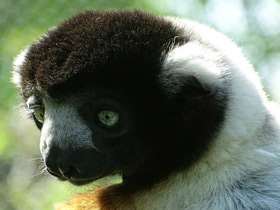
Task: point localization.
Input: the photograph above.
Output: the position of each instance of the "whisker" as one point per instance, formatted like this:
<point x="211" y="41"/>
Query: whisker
<point x="41" y="170"/>
<point x="35" y="159"/>
<point x="37" y="174"/>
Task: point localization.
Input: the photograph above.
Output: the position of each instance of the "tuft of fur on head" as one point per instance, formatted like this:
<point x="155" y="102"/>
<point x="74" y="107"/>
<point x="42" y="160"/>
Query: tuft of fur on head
<point x="17" y="66"/>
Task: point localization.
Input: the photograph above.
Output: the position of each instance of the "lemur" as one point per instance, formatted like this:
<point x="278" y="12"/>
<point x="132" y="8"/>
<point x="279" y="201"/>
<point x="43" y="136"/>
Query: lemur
<point x="171" y="105"/>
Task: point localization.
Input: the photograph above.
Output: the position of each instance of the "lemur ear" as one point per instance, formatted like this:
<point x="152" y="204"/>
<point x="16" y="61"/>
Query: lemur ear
<point x="177" y="84"/>
<point x="192" y="86"/>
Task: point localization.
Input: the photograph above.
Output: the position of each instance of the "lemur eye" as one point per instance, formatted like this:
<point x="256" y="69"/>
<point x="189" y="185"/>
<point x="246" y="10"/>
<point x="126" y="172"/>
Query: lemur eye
<point x="39" y="115"/>
<point x="108" y="118"/>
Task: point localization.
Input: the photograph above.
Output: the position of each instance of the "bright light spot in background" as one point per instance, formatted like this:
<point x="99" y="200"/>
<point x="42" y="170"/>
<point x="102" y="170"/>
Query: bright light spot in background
<point x="227" y="16"/>
<point x="268" y="16"/>
<point x="272" y="67"/>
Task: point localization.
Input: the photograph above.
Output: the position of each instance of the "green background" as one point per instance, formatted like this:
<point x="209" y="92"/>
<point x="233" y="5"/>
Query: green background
<point x="253" y="24"/>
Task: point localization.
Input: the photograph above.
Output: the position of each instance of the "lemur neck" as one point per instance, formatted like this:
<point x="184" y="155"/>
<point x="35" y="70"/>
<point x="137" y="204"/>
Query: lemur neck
<point x="213" y="174"/>
<point x="162" y="195"/>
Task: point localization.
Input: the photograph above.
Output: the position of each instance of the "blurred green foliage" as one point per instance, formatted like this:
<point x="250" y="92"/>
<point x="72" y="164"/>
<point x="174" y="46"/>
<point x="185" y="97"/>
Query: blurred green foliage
<point x="254" y="25"/>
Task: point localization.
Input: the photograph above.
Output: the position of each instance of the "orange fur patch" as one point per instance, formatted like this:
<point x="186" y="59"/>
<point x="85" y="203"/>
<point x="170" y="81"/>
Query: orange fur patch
<point x="105" y="198"/>
<point x="83" y="201"/>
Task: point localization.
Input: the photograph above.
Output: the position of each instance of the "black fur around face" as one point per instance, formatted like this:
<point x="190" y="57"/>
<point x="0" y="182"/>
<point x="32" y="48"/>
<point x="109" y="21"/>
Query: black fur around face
<point x="91" y="41"/>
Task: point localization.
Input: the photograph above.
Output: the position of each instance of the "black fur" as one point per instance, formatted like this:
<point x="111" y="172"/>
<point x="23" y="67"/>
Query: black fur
<point x="91" y="41"/>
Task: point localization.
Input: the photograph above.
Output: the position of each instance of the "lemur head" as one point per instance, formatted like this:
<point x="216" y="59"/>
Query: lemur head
<point x="121" y="92"/>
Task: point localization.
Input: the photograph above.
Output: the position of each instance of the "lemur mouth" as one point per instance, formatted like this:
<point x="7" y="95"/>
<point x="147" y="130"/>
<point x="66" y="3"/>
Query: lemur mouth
<point x="74" y="180"/>
<point x="79" y="182"/>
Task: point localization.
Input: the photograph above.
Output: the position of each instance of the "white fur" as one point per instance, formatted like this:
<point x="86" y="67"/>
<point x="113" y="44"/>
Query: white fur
<point x="64" y="128"/>
<point x="192" y="59"/>
<point x="17" y="65"/>
<point x="242" y="168"/>
<point x="20" y="59"/>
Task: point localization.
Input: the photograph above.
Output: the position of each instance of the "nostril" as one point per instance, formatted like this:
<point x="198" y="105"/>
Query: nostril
<point x="52" y="166"/>
<point x="59" y="163"/>
<point x="55" y="173"/>
<point x="67" y="172"/>
<point x="63" y="172"/>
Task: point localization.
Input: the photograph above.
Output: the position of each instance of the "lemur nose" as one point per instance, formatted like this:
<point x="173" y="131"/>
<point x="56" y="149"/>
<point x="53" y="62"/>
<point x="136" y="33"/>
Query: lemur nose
<point x="59" y="163"/>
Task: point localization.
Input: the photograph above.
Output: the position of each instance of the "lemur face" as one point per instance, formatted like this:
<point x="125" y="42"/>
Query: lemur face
<point x="96" y="132"/>
<point x="82" y="134"/>
<point x="111" y="94"/>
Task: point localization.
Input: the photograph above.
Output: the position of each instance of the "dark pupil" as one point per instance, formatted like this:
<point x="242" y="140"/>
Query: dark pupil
<point x="107" y="117"/>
